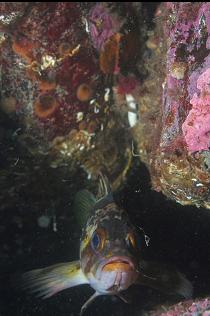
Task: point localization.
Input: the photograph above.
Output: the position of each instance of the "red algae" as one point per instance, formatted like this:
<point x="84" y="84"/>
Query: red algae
<point x="59" y="60"/>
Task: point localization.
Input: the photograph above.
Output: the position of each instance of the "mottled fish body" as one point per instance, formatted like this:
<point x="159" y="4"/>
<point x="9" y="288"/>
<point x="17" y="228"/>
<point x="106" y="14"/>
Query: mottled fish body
<point x="110" y="255"/>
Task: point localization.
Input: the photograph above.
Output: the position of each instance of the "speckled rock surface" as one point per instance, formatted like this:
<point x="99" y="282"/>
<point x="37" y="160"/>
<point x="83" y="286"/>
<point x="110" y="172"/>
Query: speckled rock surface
<point x="199" y="307"/>
<point x="173" y="134"/>
<point x="57" y="67"/>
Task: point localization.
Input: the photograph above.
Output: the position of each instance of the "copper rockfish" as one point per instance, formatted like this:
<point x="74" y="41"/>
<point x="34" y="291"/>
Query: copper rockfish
<point x="110" y="256"/>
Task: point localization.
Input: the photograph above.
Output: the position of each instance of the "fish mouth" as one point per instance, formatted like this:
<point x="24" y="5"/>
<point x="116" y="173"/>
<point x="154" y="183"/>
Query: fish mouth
<point x="117" y="273"/>
<point x="118" y="263"/>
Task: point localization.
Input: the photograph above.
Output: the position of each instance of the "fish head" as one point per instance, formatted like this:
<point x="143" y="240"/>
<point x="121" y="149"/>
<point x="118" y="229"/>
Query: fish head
<point x="109" y="252"/>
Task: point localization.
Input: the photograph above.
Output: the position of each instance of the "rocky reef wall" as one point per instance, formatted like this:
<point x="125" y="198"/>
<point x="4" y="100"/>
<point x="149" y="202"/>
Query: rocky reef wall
<point x="173" y="134"/>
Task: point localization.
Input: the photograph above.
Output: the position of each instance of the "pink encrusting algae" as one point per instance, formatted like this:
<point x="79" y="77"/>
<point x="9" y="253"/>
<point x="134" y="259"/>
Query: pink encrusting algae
<point x="174" y="134"/>
<point x="185" y="52"/>
<point x="196" y="128"/>
<point x="103" y="25"/>
<point x="198" y="307"/>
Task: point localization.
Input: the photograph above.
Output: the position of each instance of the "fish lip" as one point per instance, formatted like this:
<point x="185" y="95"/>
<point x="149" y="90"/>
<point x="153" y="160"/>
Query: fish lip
<point x="119" y="259"/>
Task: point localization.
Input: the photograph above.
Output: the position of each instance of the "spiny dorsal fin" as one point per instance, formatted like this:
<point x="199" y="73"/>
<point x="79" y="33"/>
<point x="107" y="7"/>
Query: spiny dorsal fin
<point x="104" y="186"/>
<point x="85" y="202"/>
<point x="83" y="205"/>
<point x="104" y="193"/>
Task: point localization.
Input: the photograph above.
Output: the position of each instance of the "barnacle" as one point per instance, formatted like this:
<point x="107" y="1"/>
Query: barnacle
<point x="178" y="70"/>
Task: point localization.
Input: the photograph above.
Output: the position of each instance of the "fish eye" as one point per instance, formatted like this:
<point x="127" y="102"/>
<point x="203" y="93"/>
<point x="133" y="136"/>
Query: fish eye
<point x="138" y="242"/>
<point x="130" y="240"/>
<point x="95" y="242"/>
<point x="98" y="239"/>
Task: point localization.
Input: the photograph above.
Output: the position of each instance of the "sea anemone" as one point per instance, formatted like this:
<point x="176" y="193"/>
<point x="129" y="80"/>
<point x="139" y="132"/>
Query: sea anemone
<point x="84" y="92"/>
<point x="126" y="84"/>
<point x="45" y="106"/>
<point x="109" y="57"/>
<point x="47" y="84"/>
<point x="24" y="48"/>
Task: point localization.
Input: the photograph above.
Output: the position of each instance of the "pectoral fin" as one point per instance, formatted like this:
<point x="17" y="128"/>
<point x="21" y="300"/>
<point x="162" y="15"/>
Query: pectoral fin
<point x="89" y="302"/>
<point x="50" y="280"/>
<point x="124" y="297"/>
<point x="164" y="278"/>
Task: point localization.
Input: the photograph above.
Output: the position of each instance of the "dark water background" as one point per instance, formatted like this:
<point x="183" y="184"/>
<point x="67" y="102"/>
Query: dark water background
<point x="179" y="236"/>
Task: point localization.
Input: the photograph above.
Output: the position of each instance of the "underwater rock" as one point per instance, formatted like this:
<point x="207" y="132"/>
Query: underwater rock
<point x="173" y="134"/>
<point x="187" y="308"/>
<point x="58" y="63"/>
